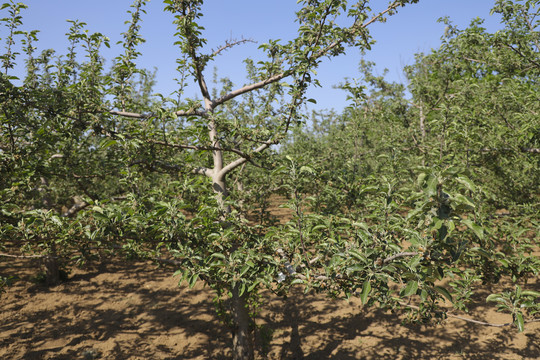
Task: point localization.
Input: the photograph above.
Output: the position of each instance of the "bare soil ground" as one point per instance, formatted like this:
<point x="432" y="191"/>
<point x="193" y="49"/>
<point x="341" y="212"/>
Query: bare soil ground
<point x="123" y="310"/>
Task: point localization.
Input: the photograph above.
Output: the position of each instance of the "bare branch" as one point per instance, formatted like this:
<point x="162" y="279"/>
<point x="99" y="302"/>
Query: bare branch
<point x="167" y="261"/>
<point x="474" y="60"/>
<point x="189" y="112"/>
<point x="399" y="255"/>
<point x="478" y="322"/>
<point x="230" y="43"/>
<point x="251" y="87"/>
<point x="532" y="29"/>
<point x="130" y="114"/>
<point x="196" y="147"/>
<point x="390" y="7"/>
<point x="285" y="74"/>
<point x="78" y="206"/>
<point x="197" y="170"/>
<point x="29" y="256"/>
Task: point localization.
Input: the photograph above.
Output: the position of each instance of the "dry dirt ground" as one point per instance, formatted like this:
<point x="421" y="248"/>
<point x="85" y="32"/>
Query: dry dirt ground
<point x="122" y="310"/>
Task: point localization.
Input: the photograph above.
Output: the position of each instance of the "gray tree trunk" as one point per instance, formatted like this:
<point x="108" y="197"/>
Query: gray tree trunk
<point x="52" y="268"/>
<point x="243" y="342"/>
<point x="242" y="330"/>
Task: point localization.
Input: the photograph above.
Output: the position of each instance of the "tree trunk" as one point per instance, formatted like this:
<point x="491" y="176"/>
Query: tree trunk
<point x="220" y="188"/>
<point x="242" y="329"/>
<point x="50" y="261"/>
<point x="52" y="269"/>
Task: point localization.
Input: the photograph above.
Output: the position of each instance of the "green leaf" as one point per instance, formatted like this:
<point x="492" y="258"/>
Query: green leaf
<point x="361" y="225"/>
<point x="495" y="297"/>
<point x="410" y="289"/>
<point x="307" y="169"/>
<point x="431" y="188"/>
<point x="463" y="200"/>
<point x="519" y="322"/>
<point x="504" y="262"/>
<point x="423" y="295"/>
<point x="366" y="289"/>
<point x="193" y="280"/>
<point x="357" y="255"/>
<point x="56" y="220"/>
<point x="106" y="143"/>
<point x="242" y="289"/>
<point x="421" y="178"/>
<point x="478" y="230"/>
<point x="98" y="209"/>
<point x="244" y="270"/>
<point x="530" y="293"/>
<point x="252" y="286"/>
<point x="444" y="292"/>
<point x="160" y="211"/>
<point x="218" y="255"/>
<point x="467" y="182"/>
<point x="297" y="281"/>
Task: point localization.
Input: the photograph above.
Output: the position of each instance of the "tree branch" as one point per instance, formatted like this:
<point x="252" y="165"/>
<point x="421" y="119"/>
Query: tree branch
<point x="478" y="322"/>
<point x="390" y="7"/>
<point x="28" y="256"/>
<point x="78" y="206"/>
<point x="521" y="149"/>
<point x="398" y="255"/>
<point x="130" y="114"/>
<point x="189" y="112"/>
<point x="197" y="171"/>
<point x="229" y="44"/>
<point x="199" y="148"/>
<point x="236" y="163"/>
<point x="525" y="57"/>
<point x="251" y="87"/>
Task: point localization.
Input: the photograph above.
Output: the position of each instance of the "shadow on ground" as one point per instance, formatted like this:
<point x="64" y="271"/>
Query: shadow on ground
<point x="123" y="310"/>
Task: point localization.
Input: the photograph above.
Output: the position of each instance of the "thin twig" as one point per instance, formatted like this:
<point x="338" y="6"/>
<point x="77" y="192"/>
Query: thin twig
<point x="398" y="255"/>
<point x="478" y="322"/>
<point x="29" y="256"/>
<point x="196" y="147"/>
<point x="230" y="43"/>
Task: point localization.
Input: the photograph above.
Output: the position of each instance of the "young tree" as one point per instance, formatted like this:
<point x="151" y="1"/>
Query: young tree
<point x="80" y="131"/>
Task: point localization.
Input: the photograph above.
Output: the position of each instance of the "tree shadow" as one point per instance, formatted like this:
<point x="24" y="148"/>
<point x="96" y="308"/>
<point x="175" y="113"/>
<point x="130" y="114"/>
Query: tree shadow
<point x="114" y="310"/>
<point x="122" y="310"/>
<point x="312" y="327"/>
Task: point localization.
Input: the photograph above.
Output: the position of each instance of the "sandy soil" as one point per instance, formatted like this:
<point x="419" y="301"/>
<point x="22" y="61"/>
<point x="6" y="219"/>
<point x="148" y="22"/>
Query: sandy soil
<point x="122" y="310"/>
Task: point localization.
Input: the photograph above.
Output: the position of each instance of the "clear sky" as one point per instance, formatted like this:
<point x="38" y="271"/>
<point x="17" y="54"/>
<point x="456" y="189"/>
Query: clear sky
<point x="414" y="29"/>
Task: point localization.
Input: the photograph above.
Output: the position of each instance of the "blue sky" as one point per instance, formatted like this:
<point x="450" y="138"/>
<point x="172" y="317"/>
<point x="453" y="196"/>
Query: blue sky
<point x="414" y="29"/>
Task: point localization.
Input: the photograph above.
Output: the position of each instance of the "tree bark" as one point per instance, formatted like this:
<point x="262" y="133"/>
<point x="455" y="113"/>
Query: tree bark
<point x="52" y="269"/>
<point x="242" y="329"/>
<point x="50" y="261"/>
